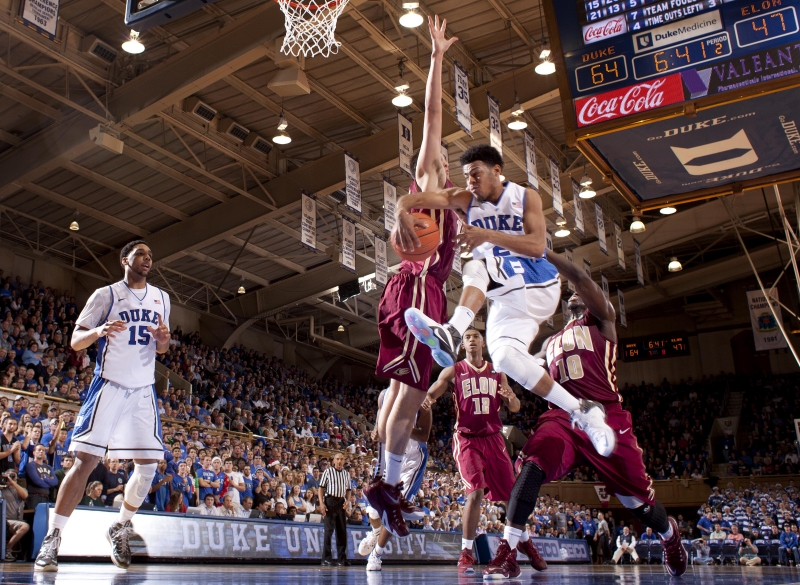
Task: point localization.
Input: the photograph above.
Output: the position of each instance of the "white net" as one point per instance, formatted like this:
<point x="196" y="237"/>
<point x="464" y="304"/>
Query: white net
<point x="310" y="27"/>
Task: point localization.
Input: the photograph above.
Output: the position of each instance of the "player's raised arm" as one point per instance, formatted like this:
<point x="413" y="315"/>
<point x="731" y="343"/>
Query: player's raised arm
<point x="508" y="395"/>
<point x="403" y="234"/>
<point x="591" y="294"/>
<point x="439" y="387"/>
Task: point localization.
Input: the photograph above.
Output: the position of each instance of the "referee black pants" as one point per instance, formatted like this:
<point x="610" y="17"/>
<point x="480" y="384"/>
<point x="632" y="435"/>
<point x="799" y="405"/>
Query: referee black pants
<point x="335" y="519"/>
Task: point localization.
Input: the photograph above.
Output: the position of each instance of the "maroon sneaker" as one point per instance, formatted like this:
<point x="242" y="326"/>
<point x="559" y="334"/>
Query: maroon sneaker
<point x="527" y="548"/>
<point x="675" y="557"/>
<point x="388" y="500"/>
<point x="504" y="564"/>
<point x="466" y="562"/>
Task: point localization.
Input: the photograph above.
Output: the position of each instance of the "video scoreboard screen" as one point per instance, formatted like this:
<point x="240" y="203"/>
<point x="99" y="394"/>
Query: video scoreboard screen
<point x="674" y="345"/>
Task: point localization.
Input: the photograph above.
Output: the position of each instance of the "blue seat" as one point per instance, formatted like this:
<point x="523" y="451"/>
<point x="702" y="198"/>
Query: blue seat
<point x="715" y="548"/>
<point x="763" y="547"/>
<point x="643" y="550"/>
<point x="687" y="546"/>
<point x="774" y="551"/>
<point x="656" y="552"/>
<point x="730" y="551"/>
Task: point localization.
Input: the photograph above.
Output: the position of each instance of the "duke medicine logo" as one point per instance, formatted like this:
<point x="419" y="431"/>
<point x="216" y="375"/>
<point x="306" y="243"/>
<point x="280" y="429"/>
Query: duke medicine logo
<point x="644" y="41"/>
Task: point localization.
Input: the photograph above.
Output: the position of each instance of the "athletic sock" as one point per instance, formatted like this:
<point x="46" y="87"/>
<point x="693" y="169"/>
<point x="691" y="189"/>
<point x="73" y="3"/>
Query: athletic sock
<point x="562" y="398"/>
<point x="461" y="319"/>
<point x="59" y="522"/>
<point x="379" y="550"/>
<point x="524" y="536"/>
<point x="667" y="535"/>
<point x="376" y="531"/>
<point x="394" y="465"/>
<point x="512" y="536"/>
<point x="466" y="543"/>
<point x="125" y="514"/>
<point x="381" y="464"/>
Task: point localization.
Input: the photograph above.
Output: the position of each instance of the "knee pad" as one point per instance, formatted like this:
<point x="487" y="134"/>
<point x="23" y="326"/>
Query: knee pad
<point x="140" y="483"/>
<point x="373" y="513"/>
<point x="525" y="492"/>
<point x="654" y="516"/>
<point x="474" y="274"/>
<point x="517" y="365"/>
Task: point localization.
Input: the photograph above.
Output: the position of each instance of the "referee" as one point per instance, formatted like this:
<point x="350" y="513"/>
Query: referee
<point x="332" y="488"/>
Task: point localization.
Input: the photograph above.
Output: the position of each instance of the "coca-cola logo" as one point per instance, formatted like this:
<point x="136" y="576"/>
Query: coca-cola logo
<point x="604" y="29"/>
<point x="629" y="100"/>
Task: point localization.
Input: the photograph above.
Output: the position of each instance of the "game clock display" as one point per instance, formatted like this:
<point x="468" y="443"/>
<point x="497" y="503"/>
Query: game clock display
<point x="663" y="346"/>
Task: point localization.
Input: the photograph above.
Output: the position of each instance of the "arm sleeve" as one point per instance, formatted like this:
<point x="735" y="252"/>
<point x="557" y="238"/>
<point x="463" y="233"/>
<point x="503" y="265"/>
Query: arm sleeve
<point x="96" y="309"/>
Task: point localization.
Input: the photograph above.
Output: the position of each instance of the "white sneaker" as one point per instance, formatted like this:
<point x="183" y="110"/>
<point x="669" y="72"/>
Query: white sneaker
<point x="367" y="544"/>
<point x="591" y="419"/>
<point x="374" y="561"/>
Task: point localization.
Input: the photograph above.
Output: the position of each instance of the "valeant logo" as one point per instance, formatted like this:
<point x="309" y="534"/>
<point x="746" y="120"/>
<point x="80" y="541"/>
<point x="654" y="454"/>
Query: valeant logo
<point x="626" y="101"/>
<point x="605" y="29"/>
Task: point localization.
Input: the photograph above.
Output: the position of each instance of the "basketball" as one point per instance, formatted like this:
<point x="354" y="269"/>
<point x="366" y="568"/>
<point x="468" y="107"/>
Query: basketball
<point x="428" y="240"/>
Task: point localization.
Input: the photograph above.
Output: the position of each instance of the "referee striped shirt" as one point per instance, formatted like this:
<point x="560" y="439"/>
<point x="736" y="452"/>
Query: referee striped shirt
<point x="336" y="483"/>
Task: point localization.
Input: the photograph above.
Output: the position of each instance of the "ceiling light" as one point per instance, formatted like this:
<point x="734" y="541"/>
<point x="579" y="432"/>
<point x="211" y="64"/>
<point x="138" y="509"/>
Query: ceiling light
<point x="340" y="329"/>
<point x="674" y="265"/>
<point x="587" y="192"/>
<point x="133" y="45"/>
<point x="545" y="66"/>
<point x="241" y="290"/>
<point x="562" y="233"/>
<point x="282" y="137"/>
<point x="667" y="210"/>
<point x="545" y="54"/>
<point x="502" y="178"/>
<point x="517" y="121"/>
<point x="402" y="99"/>
<point x="74" y="225"/>
<point x="637" y="225"/>
<point x="586" y="180"/>
<point x="411" y="19"/>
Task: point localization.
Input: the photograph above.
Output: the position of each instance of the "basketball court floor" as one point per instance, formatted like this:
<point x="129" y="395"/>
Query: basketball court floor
<point x="231" y="574"/>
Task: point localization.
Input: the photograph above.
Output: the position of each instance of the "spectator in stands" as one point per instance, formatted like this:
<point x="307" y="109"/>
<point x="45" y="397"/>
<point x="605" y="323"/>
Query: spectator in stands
<point x="735" y="535"/>
<point x="748" y="554"/>
<point x="706" y="524"/>
<point x="702" y="552"/>
<point x="160" y="489"/>
<point x="10" y="447"/>
<point x="93" y="495"/>
<point x="788" y="548"/>
<point x="603" y="538"/>
<point x="208" y="507"/>
<point x="626" y="544"/>
<point x="718" y="533"/>
<point x="649" y="535"/>
<point x="15" y="496"/>
<point x="261" y="510"/>
<point x="66" y="464"/>
<point x="40" y="478"/>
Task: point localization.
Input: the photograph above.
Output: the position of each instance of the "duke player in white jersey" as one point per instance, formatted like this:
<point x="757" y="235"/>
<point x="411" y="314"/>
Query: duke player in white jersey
<point x="415" y="459"/>
<point x="129" y="320"/>
<point x="505" y="231"/>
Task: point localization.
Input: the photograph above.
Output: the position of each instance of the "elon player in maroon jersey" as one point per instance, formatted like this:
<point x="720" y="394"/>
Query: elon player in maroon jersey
<point x="478" y="445"/>
<point x="582" y="358"/>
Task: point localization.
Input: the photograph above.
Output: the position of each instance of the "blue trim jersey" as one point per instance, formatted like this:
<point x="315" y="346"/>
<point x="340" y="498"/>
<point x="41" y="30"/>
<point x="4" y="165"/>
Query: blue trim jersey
<point x="128" y="358"/>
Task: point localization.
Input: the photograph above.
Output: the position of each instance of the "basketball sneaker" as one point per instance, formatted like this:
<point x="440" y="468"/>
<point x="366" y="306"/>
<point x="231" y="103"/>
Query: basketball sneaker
<point x="411" y="513"/>
<point x="117" y="537"/>
<point x="374" y="561"/>
<point x="47" y="559"/>
<point x="504" y="564"/>
<point x="466" y="562"/>
<point x="367" y="544"/>
<point x="590" y="417"/>
<point x="388" y="500"/>
<point x="675" y="557"/>
<point x="527" y="548"/>
<point x="444" y="340"/>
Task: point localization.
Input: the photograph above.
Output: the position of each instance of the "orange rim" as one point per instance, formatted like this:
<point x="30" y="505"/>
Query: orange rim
<point x="307" y="7"/>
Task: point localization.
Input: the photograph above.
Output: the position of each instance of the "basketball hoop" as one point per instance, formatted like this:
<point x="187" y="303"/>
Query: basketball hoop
<point x="310" y="26"/>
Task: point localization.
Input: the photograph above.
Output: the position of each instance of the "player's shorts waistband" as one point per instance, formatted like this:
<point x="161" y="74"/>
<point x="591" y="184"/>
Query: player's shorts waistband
<point x="428" y="277"/>
<point x="475" y="436"/>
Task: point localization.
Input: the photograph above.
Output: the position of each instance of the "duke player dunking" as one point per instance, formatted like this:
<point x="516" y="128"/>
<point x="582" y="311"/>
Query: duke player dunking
<point x="582" y="358"/>
<point x="129" y="320"/>
<point x="479" y="448"/>
<point x="505" y="232"/>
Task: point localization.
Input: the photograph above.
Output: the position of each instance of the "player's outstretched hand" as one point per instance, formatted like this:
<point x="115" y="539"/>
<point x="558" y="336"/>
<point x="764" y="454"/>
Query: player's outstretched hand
<point x="428" y="403"/>
<point x="471" y="237"/>
<point x="160" y="333"/>
<point x="404" y="235"/>
<point x="506" y="392"/>
<point x="440" y="44"/>
<point x="110" y="328"/>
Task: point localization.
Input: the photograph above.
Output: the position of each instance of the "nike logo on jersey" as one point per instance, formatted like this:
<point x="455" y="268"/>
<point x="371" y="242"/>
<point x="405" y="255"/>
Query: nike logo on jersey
<point x="625" y="431"/>
<point x="122" y="299"/>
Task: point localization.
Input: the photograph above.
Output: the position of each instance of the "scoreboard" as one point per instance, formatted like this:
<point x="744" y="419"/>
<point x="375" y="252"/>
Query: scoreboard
<point x="680" y="100"/>
<point x="660" y="346"/>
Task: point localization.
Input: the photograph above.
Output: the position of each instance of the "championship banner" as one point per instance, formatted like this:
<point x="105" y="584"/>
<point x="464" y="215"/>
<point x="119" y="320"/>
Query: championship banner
<point x="389" y="202"/>
<point x="623" y="319"/>
<point x="766" y="332"/>
<point x="381" y="263"/>
<point x="601" y="228"/>
<point x="587" y="267"/>
<point x="530" y="160"/>
<point x="555" y="185"/>
<point x="577" y="208"/>
<point x="568" y="256"/>
<point x="620" y="249"/>
<point x="602" y="493"/>
<point x="352" y="182"/>
<point x="174" y="536"/>
<point x="457" y="256"/>
<point x="548" y="240"/>
<point x="550" y="322"/>
<point x="463" y="115"/>
<point x="552" y="550"/>
<point x="41" y="15"/>
<point x="564" y="311"/>
<point x="604" y="285"/>
<point x="495" y="131"/>
<point x="348" y="244"/>
<point x="308" y="222"/>
<point x="405" y="144"/>
<point x="637" y="258"/>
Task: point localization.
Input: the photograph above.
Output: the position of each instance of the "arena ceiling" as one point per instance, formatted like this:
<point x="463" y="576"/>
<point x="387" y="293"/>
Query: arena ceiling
<point x="210" y="206"/>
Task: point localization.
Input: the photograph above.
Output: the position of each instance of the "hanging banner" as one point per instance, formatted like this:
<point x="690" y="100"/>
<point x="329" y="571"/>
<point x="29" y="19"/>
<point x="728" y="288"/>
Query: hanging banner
<point x="550" y="323"/>
<point x="445" y="152"/>
<point x="577" y="208"/>
<point x="352" y="182"/>
<point x="381" y="263"/>
<point x="604" y="285"/>
<point x="389" y="202"/>
<point x="587" y="267"/>
<point x="348" y="244"/>
<point x="555" y="185"/>
<point x="495" y="132"/>
<point x="457" y="256"/>
<point x="623" y="320"/>
<point x="405" y="144"/>
<point x="601" y="228"/>
<point x="564" y="312"/>
<point x="620" y="249"/>
<point x="568" y="256"/>
<point x="41" y="16"/>
<point x="548" y="240"/>
<point x="308" y="223"/>
<point x="463" y="116"/>
<point x="530" y="160"/>
<point x="766" y="332"/>
<point x="637" y="259"/>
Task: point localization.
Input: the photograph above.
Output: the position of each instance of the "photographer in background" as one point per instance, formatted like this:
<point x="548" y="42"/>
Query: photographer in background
<point x="15" y="496"/>
<point x="748" y="554"/>
<point x="702" y="552"/>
